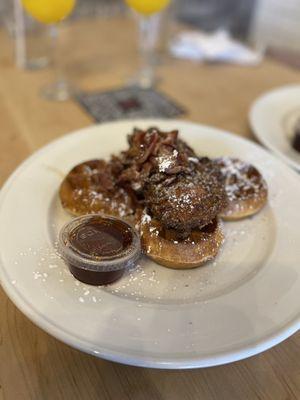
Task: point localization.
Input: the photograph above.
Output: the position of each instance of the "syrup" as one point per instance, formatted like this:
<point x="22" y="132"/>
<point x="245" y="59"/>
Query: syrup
<point x="98" y="249"/>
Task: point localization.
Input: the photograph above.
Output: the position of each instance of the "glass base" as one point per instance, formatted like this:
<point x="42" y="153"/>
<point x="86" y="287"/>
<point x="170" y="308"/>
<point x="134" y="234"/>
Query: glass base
<point x="143" y="79"/>
<point x="37" y="63"/>
<point x="58" y="91"/>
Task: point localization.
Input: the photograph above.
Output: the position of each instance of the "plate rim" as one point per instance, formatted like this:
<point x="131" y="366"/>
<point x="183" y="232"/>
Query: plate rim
<point x="256" y="131"/>
<point x="263" y="344"/>
<point x="222" y="358"/>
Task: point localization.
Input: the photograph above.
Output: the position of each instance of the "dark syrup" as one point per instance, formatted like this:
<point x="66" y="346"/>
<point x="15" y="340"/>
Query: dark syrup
<point x="296" y="141"/>
<point x="96" y="278"/>
<point x="100" y="240"/>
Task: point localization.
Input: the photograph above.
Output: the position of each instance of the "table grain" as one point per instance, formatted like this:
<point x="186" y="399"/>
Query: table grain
<point x="100" y="55"/>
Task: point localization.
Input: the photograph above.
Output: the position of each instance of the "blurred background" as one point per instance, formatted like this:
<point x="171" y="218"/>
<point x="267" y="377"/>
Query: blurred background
<point x="272" y="23"/>
<point x="272" y="26"/>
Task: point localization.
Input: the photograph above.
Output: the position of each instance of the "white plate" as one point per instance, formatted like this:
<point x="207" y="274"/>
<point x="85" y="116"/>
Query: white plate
<point x="241" y="304"/>
<point x="273" y="117"/>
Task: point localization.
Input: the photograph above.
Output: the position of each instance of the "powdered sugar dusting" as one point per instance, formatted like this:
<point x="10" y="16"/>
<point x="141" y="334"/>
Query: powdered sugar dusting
<point x="242" y="180"/>
<point x="164" y="164"/>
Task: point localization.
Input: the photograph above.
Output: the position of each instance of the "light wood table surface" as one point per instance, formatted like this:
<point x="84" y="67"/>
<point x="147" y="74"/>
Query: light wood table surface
<point x="101" y="55"/>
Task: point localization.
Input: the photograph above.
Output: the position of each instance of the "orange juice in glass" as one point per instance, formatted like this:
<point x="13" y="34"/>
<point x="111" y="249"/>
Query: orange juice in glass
<point x="52" y="12"/>
<point x="149" y="21"/>
<point x="148" y="7"/>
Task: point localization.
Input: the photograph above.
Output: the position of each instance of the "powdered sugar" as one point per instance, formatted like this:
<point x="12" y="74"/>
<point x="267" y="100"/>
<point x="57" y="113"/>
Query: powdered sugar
<point x="242" y="180"/>
<point x="164" y="163"/>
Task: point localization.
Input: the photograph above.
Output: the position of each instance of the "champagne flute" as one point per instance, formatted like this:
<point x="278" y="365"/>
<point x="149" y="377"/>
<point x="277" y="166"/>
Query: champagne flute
<point x="52" y="12"/>
<point x="149" y="20"/>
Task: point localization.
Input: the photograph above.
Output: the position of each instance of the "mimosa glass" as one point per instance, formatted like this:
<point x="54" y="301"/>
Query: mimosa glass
<point x="52" y="12"/>
<point x="149" y="25"/>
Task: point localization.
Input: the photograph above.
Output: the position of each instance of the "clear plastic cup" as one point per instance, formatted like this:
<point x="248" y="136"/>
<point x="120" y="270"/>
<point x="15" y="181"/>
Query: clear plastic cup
<point x="98" y="249"/>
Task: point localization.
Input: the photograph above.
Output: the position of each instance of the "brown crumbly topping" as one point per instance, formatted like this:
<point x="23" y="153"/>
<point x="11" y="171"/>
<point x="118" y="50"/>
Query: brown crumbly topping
<point x="158" y="171"/>
<point x="181" y="190"/>
<point x="190" y="201"/>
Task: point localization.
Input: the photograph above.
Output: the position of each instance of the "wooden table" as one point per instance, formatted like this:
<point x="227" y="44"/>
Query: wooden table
<point x="35" y="366"/>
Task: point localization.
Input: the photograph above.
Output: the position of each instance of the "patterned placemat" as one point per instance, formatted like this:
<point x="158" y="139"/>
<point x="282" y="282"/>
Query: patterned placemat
<point x="130" y="103"/>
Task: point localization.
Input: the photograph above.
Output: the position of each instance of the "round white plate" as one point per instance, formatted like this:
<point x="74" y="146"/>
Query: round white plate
<point x="273" y="117"/>
<point x="244" y="302"/>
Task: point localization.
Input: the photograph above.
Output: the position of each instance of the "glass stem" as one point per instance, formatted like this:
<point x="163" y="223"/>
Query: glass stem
<point x="58" y="72"/>
<point x="60" y="89"/>
<point x="148" y="38"/>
